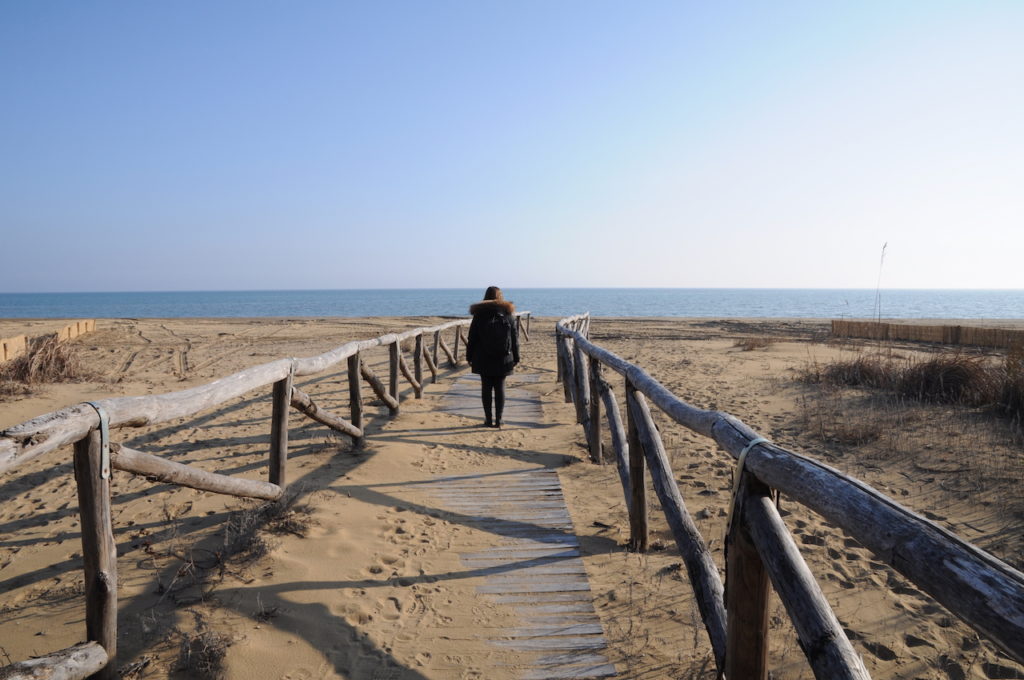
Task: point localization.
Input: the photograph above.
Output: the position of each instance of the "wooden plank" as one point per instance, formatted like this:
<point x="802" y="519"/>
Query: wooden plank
<point x="547" y="644"/>
<point x="746" y="594"/>
<point x="573" y="629"/>
<point x="534" y="588"/>
<point x="570" y="672"/>
<point x="542" y="598"/>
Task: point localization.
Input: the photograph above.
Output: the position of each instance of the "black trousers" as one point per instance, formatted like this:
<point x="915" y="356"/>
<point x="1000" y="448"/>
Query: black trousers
<point x="493" y="384"/>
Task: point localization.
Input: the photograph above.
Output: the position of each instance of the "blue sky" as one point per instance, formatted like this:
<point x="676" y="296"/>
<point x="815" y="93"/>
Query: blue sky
<point x="256" y="145"/>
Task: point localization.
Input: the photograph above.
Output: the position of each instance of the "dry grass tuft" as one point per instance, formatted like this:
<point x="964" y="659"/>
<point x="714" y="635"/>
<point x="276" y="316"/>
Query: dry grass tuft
<point x="750" y="344"/>
<point x="47" y="361"/>
<point x="202" y="654"/>
<point x="947" y="378"/>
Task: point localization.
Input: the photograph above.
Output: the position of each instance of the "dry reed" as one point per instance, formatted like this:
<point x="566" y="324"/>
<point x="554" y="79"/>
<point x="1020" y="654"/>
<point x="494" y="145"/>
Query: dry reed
<point x="48" y="360"/>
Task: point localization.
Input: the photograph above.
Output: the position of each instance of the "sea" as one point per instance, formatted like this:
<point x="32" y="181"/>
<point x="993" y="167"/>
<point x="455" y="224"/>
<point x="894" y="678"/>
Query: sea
<point x="629" y="302"/>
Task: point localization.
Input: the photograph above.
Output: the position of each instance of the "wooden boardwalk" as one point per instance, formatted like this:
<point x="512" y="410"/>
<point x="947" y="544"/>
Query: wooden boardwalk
<point x="532" y="566"/>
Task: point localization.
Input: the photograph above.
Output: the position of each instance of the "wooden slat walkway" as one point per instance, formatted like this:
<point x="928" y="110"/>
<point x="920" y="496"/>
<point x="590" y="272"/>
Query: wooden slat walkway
<point x="532" y="566"/>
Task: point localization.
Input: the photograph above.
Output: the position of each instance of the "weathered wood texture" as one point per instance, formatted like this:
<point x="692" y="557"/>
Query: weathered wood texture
<point x="826" y="646"/>
<point x="746" y="598"/>
<point x="304" y="403"/>
<point x="452" y="361"/>
<point x="355" y="395"/>
<point x="594" y="417"/>
<point x="73" y="663"/>
<point x="982" y="590"/>
<point x="637" y="497"/>
<point x="417" y="388"/>
<point x="99" y="552"/>
<point x="378" y="387"/>
<point x="417" y="365"/>
<point x="431" y="365"/>
<point x="281" y="398"/>
<point x="617" y="431"/>
<point x="160" y="469"/>
<point x="394" y="361"/>
<point x="704" y="578"/>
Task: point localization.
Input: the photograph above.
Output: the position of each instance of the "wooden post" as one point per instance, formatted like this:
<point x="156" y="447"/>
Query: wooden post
<point x="452" y="361"/>
<point x="282" y="397"/>
<point x="455" y="352"/>
<point x="582" y="388"/>
<point x="355" y="394"/>
<point x="437" y="346"/>
<point x="417" y="363"/>
<point x="594" y="422"/>
<point x="560" y="375"/>
<point x="746" y="593"/>
<point x="99" y="552"/>
<point x="393" y="357"/>
<point x="638" y="492"/>
<point x="568" y="378"/>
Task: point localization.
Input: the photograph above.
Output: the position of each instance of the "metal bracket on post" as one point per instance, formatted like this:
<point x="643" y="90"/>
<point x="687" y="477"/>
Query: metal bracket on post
<point x="104" y="440"/>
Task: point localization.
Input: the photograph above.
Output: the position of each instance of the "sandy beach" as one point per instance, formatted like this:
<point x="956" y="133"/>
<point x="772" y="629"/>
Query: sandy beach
<point x="359" y="577"/>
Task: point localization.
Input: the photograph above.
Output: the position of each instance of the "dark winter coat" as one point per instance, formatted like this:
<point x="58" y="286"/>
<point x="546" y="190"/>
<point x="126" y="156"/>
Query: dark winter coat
<point x="485" y="360"/>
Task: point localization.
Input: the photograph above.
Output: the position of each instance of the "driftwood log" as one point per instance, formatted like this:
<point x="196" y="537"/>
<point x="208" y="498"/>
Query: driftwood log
<point x="160" y="469"/>
<point x="73" y="663"/>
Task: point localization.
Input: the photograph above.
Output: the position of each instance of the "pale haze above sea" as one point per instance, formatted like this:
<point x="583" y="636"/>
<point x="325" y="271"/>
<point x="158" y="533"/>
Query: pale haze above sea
<point x="637" y="302"/>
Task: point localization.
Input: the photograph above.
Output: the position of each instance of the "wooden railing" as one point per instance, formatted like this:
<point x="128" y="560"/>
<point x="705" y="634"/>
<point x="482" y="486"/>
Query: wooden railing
<point x="87" y="426"/>
<point x="977" y="587"/>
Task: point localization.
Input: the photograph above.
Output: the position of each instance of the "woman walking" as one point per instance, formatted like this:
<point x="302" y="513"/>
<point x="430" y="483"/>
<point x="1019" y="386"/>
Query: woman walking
<point x="493" y="349"/>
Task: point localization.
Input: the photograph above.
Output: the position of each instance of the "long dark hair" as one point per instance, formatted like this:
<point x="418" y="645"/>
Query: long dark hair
<point x="493" y="293"/>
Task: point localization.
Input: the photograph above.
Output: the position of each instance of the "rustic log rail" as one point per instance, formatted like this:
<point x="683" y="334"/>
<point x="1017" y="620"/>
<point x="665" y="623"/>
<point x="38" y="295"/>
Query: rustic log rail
<point x="87" y="426"/>
<point x="980" y="589"/>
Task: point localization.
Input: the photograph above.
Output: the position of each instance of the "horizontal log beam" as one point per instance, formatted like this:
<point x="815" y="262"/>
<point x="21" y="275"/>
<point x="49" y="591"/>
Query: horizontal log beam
<point x="73" y="663"/>
<point x="304" y="404"/>
<point x="148" y="465"/>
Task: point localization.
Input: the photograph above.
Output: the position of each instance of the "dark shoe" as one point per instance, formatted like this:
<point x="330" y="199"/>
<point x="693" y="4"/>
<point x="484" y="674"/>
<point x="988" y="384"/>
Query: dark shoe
<point x="496" y="425"/>
<point x="488" y="423"/>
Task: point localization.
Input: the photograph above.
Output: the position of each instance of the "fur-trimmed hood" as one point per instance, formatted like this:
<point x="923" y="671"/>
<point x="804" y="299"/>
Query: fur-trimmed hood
<point x="493" y="306"/>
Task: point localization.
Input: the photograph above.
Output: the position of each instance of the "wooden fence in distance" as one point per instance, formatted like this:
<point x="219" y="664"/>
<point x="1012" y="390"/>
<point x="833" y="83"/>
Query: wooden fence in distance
<point x="946" y="335"/>
<point x="977" y="587"/>
<point x="14" y="347"/>
<point x="88" y="426"/>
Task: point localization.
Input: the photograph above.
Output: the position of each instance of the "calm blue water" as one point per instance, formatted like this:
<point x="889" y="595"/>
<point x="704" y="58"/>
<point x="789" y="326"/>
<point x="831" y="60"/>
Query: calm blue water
<point x="689" y="302"/>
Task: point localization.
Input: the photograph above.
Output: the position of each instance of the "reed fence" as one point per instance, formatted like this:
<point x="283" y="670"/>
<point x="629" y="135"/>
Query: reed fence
<point x="975" y="586"/>
<point x="946" y="335"/>
<point x="88" y="426"/>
